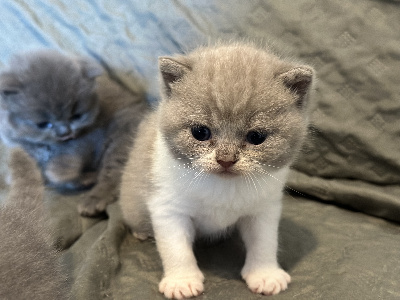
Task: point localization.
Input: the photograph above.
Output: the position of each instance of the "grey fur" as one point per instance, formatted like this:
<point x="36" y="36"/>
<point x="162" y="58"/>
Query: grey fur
<point x="30" y="268"/>
<point x="76" y="124"/>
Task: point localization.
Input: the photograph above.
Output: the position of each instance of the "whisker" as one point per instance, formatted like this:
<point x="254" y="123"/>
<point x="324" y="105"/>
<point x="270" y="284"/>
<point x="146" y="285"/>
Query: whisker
<point x="251" y="175"/>
<point x="203" y="176"/>
<point x="195" y="178"/>
<point x="248" y="183"/>
<point x="284" y="183"/>
<point x="263" y="164"/>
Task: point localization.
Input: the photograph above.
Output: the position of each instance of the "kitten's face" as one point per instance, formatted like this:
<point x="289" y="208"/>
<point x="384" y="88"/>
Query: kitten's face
<point x="49" y="98"/>
<point x="229" y="114"/>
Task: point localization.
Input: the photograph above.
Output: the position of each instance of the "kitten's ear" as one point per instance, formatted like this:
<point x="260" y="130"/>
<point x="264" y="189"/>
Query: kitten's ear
<point x="171" y="71"/>
<point x="90" y="69"/>
<point x="299" y="81"/>
<point x="9" y="85"/>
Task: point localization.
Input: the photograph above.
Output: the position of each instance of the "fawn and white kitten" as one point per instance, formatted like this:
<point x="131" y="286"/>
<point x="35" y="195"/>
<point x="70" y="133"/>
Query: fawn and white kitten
<point x="214" y="155"/>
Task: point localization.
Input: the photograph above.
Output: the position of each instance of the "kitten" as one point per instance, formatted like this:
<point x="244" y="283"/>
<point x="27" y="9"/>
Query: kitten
<point x="77" y="130"/>
<point x="215" y="155"/>
<point x="29" y="265"/>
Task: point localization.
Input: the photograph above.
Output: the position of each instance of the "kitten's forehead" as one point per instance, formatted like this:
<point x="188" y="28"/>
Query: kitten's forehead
<point x="235" y="81"/>
<point x="235" y="62"/>
<point x="51" y="82"/>
<point x="51" y="75"/>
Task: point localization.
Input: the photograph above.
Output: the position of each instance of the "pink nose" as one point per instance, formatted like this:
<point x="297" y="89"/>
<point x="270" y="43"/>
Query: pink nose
<point x="226" y="164"/>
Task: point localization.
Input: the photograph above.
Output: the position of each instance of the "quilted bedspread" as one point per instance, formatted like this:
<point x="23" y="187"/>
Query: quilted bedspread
<point x="340" y="233"/>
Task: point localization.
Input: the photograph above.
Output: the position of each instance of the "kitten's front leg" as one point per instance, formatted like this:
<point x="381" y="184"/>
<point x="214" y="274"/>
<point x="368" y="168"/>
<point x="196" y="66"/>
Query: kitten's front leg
<point x="106" y="190"/>
<point x="174" y="236"/>
<point x="65" y="171"/>
<point x="261" y="270"/>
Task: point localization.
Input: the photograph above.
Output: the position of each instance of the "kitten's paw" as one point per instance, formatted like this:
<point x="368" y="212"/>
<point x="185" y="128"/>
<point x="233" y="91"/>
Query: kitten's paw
<point x="62" y="169"/>
<point x="181" y="287"/>
<point x="92" y="206"/>
<point x="141" y="236"/>
<point x="59" y="177"/>
<point x="267" y="282"/>
<point x="88" y="179"/>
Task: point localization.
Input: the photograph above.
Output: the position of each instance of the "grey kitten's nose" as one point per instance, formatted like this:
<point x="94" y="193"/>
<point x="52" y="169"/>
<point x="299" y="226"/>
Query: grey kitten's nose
<point x="226" y="164"/>
<point x="63" y="130"/>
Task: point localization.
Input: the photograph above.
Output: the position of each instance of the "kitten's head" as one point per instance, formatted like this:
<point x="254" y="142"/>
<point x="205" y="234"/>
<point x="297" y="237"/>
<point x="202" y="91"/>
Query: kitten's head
<point x="234" y="109"/>
<point x="49" y="96"/>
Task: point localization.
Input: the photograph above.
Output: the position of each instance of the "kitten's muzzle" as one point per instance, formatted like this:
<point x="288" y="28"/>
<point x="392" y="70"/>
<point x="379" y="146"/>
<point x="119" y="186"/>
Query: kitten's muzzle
<point x="64" y="132"/>
<point x="66" y="138"/>
<point x="226" y="167"/>
<point x="226" y="164"/>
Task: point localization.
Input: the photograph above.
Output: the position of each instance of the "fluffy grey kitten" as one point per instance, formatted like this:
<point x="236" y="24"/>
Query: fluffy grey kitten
<point x="215" y="155"/>
<point x="29" y="266"/>
<point x="77" y="126"/>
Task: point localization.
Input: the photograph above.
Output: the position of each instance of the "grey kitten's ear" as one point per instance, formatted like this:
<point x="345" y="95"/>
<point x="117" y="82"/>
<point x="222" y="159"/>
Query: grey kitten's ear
<point x="298" y="80"/>
<point x="9" y="85"/>
<point x="90" y="69"/>
<point x="171" y="71"/>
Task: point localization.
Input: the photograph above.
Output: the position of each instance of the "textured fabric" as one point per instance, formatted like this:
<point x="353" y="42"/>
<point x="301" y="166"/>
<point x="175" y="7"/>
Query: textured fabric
<point x="330" y="253"/>
<point x="352" y="157"/>
<point x="353" y="154"/>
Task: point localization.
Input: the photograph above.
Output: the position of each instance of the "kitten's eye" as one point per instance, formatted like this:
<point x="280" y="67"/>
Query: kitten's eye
<point x="201" y="133"/>
<point x="256" y="137"/>
<point x="76" y="117"/>
<point x="9" y="92"/>
<point x="44" y="125"/>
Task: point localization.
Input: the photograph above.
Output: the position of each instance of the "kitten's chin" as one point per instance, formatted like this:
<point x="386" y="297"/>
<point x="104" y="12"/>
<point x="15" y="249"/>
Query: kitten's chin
<point x="66" y="138"/>
<point x="227" y="173"/>
<point x="69" y="137"/>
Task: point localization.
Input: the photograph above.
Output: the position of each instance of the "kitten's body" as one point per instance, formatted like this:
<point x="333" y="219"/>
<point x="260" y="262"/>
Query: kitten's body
<point x="78" y="129"/>
<point x="214" y="155"/>
<point x="30" y="267"/>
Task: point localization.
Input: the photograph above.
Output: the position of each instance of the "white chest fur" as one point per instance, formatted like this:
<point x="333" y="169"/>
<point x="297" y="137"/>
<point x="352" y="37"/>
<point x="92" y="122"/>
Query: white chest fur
<point x="214" y="203"/>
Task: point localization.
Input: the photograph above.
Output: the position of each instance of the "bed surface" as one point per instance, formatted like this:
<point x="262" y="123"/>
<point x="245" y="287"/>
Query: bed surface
<point x="340" y="233"/>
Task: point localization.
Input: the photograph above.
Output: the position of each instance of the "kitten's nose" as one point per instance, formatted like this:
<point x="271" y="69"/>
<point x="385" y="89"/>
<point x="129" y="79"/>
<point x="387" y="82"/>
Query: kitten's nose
<point x="63" y="130"/>
<point x="226" y="164"/>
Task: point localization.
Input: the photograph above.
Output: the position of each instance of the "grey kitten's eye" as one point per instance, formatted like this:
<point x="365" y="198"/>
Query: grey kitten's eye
<point x="44" y="125"/>
<point x="256" y="137"/>
<point x="201" y="133"/>
<point x="9" y="92"/>
<point x="76" y="117"/>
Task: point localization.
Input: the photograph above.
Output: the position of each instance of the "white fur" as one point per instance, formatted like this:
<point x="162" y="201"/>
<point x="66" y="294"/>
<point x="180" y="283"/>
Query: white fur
<point x="189" y="203"/>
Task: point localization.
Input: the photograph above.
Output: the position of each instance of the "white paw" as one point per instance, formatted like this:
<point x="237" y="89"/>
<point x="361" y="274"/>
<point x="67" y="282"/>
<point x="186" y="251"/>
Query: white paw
<point x="141" y="236"/>
<point x="178" y="287"/>
<point x="268" y="281"/>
